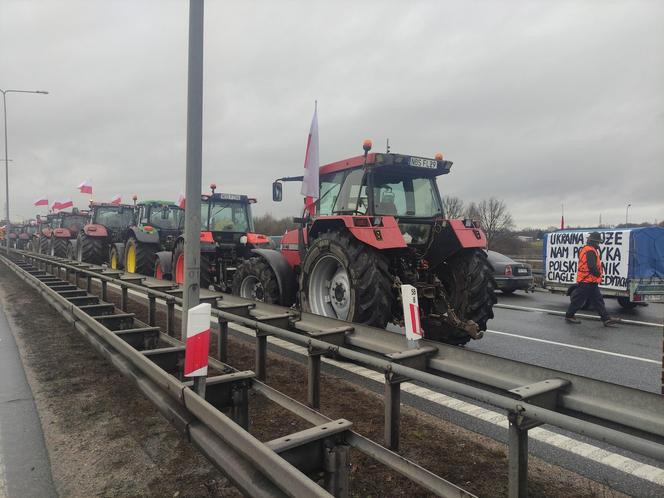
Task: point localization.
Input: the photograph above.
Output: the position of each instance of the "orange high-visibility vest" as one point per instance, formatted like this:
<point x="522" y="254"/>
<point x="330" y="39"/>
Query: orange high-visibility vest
<point x="583" y="274"/>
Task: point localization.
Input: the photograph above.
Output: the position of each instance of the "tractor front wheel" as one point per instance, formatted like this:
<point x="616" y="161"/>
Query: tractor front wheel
<point x="43" y="245"/>
<point x="254" y="279"/>
<point x="59" y="247"/>
<point x="90" y="249"/>
<point x="346" y="279"/>
<point x="114" y="259"/>
<point x="468" y="280"/>
<point x="178" y="267"/>
<point x="139" y="257"/>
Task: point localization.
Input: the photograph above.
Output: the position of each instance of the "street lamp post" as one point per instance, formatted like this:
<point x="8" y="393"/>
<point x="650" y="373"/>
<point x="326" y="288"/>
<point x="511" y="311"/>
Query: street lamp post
<point x="627" y="214"/>
<point x="4" y="109"/>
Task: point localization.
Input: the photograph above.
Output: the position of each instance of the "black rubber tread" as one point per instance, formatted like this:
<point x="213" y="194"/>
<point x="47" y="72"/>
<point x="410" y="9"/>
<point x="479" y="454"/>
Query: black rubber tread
<point x="145" y="254"/>
<point x="625" y="303"/>
<point x="468" y="278"/>
<point x="119" y="263"/>
<point x="59" y="247"/>
<point x="259" y="268"/>
<point x="93" y="249"/>
<point x="43" y="245"/>
<point x="368" y="271"/>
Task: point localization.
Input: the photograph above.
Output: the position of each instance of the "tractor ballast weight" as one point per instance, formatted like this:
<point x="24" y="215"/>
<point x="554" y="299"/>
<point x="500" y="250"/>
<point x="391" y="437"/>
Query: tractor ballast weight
<point x="379" y="225"/>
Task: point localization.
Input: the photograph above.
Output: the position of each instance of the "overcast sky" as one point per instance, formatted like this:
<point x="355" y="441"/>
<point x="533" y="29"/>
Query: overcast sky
<point x="536" y="103"/>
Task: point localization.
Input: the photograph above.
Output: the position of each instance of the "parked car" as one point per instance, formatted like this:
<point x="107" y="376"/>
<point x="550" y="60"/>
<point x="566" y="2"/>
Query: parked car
<point x="510" y="276"/>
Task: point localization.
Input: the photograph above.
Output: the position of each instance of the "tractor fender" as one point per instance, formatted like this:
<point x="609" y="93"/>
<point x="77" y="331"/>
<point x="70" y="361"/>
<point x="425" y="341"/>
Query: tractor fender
<point x="62" y="233"/>
<point x="468" y="237"/>
<point x="165" y="261"/>
<point x="206" y="245"/>
<point x="145" y="236"/>
<point x="47" y="232"/>
<point x="386" y="235"/>
<point x="119" y="248"/>
<point x="451" y="237"/>
<point x="284" y="273"/>
<point x="95" y="230"/>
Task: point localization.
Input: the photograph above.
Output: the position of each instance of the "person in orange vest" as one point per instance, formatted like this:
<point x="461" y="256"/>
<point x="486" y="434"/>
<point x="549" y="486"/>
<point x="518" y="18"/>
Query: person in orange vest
<point x="588" y="278"/>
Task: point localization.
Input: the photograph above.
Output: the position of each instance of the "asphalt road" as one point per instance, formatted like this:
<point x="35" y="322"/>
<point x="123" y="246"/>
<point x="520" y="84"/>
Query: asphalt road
<point x="624" y="354"/>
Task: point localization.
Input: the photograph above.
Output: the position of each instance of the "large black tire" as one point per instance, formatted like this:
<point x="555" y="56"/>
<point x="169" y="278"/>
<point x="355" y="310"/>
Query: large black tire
<point x="91" y="249"/>
<point x="367" y="295"/>
<point x="625" y="303"/>
<point x="468" y="279"/>
<point x="205" y="277"/>
<point x="43" y="245"/>
<point x="59" y="247"/>
<point x="143" y="257"/>
<point x="115" y="261"/>
<point x="254" y="279"/>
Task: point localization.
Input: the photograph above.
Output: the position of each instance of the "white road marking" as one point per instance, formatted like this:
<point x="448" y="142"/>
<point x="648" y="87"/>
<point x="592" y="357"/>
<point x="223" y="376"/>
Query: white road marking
<point x="592" y="350"/>
<point x="580" y="448"/>
<point x="561" y="313"/>
<point x="3" y="483"/>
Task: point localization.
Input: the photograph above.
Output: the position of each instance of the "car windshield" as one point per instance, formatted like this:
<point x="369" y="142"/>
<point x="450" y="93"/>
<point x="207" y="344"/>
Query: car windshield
<point x="114" y="217"/>
<point x="225" y="216"/>
<point x="167" y="217"/>
<point x="74" y="222"/>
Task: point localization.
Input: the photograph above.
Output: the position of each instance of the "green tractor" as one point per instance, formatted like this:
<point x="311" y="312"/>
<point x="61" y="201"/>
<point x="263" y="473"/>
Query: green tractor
<point x="158" y="226"/>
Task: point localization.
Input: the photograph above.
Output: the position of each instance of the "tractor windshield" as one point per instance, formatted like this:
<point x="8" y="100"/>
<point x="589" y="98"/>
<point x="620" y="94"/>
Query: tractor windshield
<point x="74" y="223"/>
<point x="167" y="217"/>
<point x="396" y="195"/>
<point x="114" y="217"/>
<point x="225" y="216"/>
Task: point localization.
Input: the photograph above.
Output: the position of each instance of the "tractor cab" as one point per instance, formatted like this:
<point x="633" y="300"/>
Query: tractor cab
<point x="114" y="217"/>
<point x="226" y="217"/>
<point x="73" y="221"/>
<point x="164" y="217"/>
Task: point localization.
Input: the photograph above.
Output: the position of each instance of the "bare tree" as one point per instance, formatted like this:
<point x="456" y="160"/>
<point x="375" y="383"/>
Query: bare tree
<point x="452" y="207"/>
<point x="493" y="216"/>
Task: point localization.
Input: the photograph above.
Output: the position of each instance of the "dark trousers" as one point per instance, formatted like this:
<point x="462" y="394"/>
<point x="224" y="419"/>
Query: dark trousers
<point x="587" y="293"/>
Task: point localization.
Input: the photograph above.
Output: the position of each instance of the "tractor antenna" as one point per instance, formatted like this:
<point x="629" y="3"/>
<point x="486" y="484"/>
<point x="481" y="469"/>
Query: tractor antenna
<point x="213" y="187"/>
<point x="387" y="146"/>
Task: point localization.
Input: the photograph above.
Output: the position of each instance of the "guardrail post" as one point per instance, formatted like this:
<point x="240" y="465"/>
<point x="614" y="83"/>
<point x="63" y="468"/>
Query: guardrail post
<point x="261" y="355"/>
<point x="313" y="383"/>
<point x="241" y="405"/>
<point x="124" y="303"/>
<point x="336" y="470"/>
<point x="222" y="340"/>
<point x="518" y="458"/>
<point x="104" y="290"/>
<point x="89" y="284"/>
<point x="170" y="316"/>
<point x="152" y="310"/>
<point x="392" y="411"/>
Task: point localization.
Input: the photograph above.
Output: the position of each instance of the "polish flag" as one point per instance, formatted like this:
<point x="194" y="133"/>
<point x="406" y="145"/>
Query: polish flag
<point x="85" y="187"/>
<point x="116" y="199"/>
<point x="180" y="201"/>
<point x="42" y="201"/>
<point x="62" y="204"/>
<point x="311" y="166"/>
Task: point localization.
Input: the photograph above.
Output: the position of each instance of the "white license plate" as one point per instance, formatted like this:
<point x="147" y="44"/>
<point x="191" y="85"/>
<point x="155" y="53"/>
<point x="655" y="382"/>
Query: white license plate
<point x="522" y="270"/>
<point x="420" y="162"/>
<point x="654" y="298"/>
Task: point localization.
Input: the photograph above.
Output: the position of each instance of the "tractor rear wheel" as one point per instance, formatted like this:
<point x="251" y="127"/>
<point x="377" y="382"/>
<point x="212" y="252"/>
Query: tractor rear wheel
<point x="91" y="249"/>
<point x="254" y="279"/>
<point x="346" y="279"/>
<point x="59" y="247"/>
<point x="43" y="245"/>
<point x="139" y="257"/>
<point x="468" y="280"/>
<point x="178" y="267"/>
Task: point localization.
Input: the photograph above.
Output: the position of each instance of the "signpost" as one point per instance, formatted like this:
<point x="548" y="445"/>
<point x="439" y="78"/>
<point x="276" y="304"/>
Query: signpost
<point x="411" y="316"/>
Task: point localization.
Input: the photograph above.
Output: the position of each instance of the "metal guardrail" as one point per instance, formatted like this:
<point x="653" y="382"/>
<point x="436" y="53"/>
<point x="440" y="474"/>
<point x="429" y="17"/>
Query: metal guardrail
<point x="255" y="468"/>
<point x="531" y="395"/>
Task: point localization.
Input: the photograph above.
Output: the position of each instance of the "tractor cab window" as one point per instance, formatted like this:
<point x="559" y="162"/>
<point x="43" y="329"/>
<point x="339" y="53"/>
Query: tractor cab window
<point x="329" y="191"/>
<point x="168" y="218"/>
<point x="396" y="195"/>
<point x="228" y="217"/>
<point x="74" y="223"/>
<point x="352" y="198"/>
<point x="114" y="217"/>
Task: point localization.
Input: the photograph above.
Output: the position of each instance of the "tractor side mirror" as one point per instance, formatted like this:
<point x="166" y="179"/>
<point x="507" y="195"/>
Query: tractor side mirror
<point x="277" y="191"/>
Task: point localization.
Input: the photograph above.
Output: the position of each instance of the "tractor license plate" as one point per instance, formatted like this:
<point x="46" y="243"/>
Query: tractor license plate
<point x="420" y="162"/>
<point x="522" y="271"/>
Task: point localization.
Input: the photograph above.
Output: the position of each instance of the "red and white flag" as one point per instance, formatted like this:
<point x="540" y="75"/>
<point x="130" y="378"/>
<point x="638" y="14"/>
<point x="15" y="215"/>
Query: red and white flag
<point x="42" y="201"/>
<point x="85" y="187"/>
<point x="116" y="199"/>
<point x="197" y="346"/>
<point x="62" y="204"/>
<point x="311" y="166"/>
<point x="180" y="201"/>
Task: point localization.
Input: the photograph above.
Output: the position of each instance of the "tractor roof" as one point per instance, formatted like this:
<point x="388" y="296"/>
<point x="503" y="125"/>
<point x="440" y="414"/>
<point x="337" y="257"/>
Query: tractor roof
<point x="108" y="204"/>
<point x="158" y="203"/>
<point x="218" y="196"/>
<point x="426" y="166"/>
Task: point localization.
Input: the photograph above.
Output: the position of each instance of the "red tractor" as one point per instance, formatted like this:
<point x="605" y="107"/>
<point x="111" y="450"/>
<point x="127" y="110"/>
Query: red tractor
<point x="379" y="224"/>
<point x="44" y="229"/>
<point x="107" y="225"/>
<point x="227" y="239"/>
<point x="64" y="230"/>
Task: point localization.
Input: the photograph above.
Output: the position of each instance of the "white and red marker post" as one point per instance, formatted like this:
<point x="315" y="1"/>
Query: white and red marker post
<point x="197" y="346"/>
<point x="411" y="316"/>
